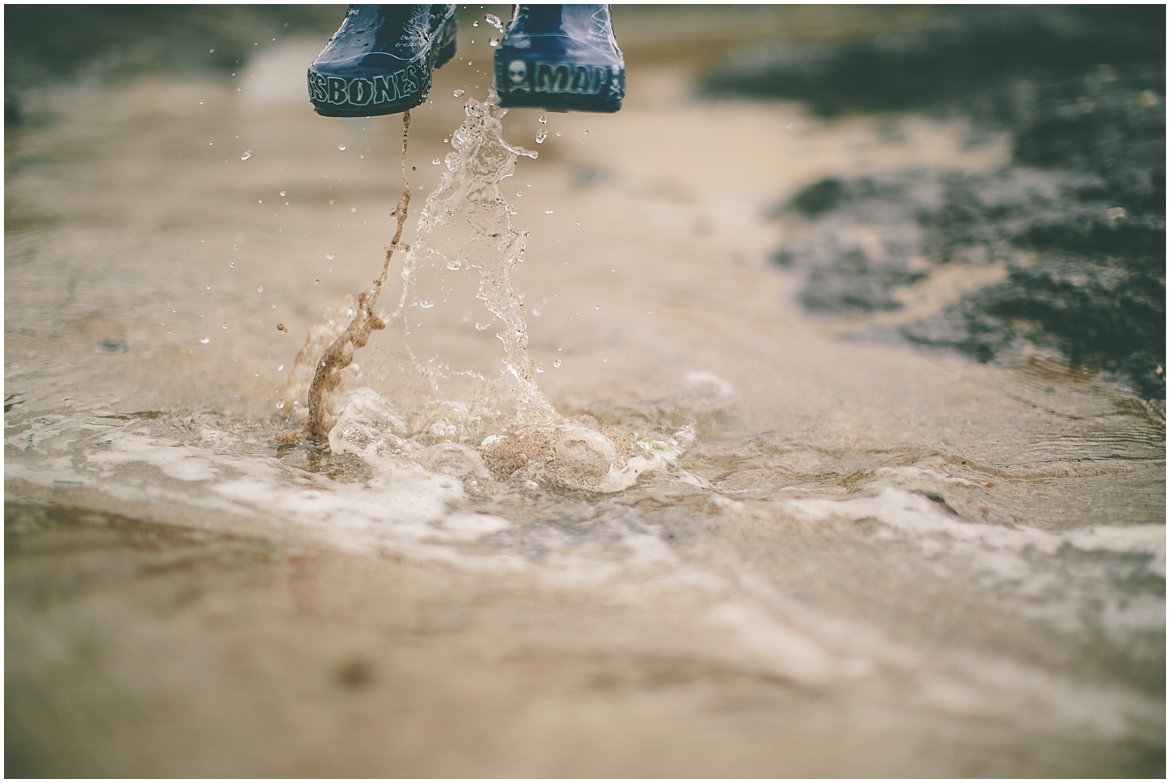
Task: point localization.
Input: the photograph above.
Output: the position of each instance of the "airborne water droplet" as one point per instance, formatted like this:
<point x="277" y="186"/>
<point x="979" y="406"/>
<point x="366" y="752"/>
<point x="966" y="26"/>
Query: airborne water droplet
<point x="329" y="256"/>
<point x="542" y="119"/>
<point x="283" y="193"/>
<point x="541" y="135"/>
<point x="426" y="304"/>
<point x="247" y="154"/>
<point x="458" y="93"/>
<point x="435" y="161"/>
<point x="341" y="147"/>
<point x="204" y="340"/>
<point x="556" y="362"/>
<point x="455" y="265"/>
<point x="493" y="42"/>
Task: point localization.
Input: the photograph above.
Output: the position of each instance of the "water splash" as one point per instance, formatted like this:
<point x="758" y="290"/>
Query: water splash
<point x="494" y="422"/>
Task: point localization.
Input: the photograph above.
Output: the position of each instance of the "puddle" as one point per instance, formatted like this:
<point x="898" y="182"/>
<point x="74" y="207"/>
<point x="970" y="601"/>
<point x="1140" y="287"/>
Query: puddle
<point x="599" y="472"/>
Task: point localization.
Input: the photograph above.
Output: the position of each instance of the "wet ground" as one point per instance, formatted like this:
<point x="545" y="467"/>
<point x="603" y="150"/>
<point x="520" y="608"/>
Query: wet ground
<point x="757" y="531"/>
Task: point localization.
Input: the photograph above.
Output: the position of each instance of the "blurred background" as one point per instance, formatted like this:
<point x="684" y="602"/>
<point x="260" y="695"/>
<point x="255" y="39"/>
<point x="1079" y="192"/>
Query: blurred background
<point x="1060" y="242"/>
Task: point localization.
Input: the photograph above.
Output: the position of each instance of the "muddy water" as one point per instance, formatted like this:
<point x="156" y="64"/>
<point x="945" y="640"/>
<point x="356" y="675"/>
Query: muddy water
<point x="679" y="528"/>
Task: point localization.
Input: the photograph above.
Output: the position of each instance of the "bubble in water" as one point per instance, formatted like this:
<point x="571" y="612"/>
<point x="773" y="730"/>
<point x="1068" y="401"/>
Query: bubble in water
<point x="458" y="93"/>
<point x="341" y="147"/>
<point x="556" y="362"/>
<point x="259" y="289"/>
<point x="247" y="154"/>
<point x="435" y="161"/>
<point x="455" y="265"/>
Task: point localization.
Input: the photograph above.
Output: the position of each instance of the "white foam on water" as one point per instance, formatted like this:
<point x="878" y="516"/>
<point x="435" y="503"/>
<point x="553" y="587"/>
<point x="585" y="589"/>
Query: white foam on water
<point x="910" y="512"/>
<point x="180" y="462"/>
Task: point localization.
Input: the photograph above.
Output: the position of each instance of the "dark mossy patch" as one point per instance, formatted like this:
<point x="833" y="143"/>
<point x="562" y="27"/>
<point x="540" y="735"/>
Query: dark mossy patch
<point x="1076" y="217"/>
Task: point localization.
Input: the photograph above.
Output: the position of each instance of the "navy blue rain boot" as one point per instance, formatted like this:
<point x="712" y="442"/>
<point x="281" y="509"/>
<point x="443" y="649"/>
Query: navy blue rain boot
<point x="561" y="58"/>
<point x="380" y="60"/>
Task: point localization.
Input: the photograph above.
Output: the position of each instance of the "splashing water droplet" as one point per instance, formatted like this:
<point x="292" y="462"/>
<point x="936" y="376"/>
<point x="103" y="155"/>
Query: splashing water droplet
<point x="459" y="93"/>
<point x="493" y="42"/>
<point x="494" y="21"/>
<point x="542" y="119"/>
<point x="247" y="154"/>
<point x="541" y="135"/>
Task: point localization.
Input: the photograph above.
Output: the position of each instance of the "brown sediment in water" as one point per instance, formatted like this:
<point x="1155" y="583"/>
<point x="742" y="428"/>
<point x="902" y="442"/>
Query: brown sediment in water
<point x="328" y="375"/>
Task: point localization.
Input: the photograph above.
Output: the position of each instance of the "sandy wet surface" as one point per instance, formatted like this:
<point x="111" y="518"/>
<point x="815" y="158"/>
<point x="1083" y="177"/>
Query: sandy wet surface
<point x="851" y="558"/>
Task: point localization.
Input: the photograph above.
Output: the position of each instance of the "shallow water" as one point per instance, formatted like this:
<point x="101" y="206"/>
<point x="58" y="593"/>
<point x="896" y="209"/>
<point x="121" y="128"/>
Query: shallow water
<point x="667" y="523"/>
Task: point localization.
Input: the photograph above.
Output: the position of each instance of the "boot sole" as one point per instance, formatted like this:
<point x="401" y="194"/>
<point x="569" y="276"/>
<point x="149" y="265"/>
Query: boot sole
<point x="560" y="86"/>
<point x="392" y="80"/>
